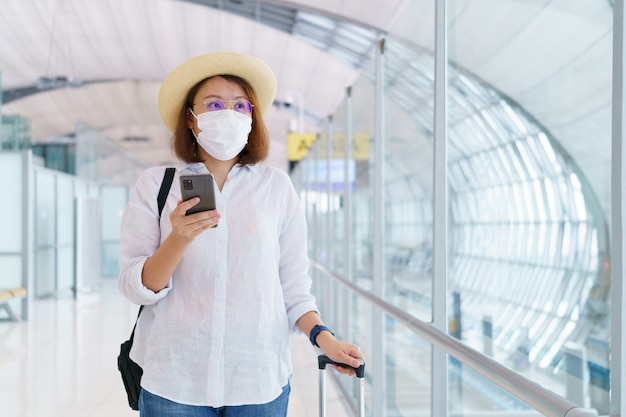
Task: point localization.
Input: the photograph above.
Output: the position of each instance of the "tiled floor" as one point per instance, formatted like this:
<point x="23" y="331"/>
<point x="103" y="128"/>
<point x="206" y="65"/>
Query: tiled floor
<point x="62" y="361"/>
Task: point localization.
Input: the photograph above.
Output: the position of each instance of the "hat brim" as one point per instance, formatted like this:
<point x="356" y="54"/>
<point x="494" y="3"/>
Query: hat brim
<point x="177" y="84"/>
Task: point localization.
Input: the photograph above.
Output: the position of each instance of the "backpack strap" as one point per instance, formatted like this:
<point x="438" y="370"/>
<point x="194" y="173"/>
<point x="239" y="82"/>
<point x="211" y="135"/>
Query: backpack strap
<point x="168" y="177"/>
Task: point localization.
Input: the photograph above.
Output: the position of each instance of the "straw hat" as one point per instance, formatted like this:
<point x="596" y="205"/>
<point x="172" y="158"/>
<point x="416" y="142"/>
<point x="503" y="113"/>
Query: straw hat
<point x="177" y="84"/>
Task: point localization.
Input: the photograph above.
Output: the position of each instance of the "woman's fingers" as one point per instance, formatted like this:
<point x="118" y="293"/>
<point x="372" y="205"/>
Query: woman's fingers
<point x="346" y="353"/>
<point x="192" y="225"/>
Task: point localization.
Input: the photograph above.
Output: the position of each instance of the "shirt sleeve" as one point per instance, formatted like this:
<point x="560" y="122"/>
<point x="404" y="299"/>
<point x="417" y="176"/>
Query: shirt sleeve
<point x="294" y="260"/>
<point x="140" y="238"/>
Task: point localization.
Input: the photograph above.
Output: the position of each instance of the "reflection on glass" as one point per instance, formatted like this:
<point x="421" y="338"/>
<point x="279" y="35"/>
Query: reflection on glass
<point x="45" y="267"/>
<point x="527" y="245"/>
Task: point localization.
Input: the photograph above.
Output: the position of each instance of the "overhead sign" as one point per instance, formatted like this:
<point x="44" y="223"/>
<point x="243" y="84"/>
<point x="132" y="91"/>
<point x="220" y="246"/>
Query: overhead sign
<point x="361" y="145"/>
<point x="298" y="145"/>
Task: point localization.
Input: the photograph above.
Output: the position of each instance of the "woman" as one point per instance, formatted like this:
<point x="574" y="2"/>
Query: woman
<point x="223" y="289"/>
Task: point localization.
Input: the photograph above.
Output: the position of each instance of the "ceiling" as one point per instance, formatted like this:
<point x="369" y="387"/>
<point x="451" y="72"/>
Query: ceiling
<point x="108" y="58"/>
<point x="552" y="57"/>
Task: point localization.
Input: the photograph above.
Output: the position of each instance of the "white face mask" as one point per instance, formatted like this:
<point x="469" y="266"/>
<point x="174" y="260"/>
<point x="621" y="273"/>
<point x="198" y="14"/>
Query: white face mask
<point x="223" y="133"/>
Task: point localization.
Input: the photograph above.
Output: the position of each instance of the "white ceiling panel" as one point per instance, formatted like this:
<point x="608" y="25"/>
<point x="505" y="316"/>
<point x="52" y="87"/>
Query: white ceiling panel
<point x="122" y="50"/>
<point x="553" y="58"/>
<point x="517" y="46"/>
<point x="373" y="13"/>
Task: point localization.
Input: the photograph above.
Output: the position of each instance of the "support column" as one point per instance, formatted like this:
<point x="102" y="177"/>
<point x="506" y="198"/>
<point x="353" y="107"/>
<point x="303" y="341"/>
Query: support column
<point x="439" y="399"/>
<point x="618" y="211"/>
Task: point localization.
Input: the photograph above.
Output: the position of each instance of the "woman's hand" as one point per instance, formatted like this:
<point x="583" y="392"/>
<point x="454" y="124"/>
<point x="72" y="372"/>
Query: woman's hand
<point x="186" y="228"/>
<point x="341" y="352"/>
<point x="336" y="350"/>
<point x="160" y="266"/>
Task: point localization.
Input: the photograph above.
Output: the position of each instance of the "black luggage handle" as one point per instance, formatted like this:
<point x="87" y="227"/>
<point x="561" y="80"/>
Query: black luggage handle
<point x="323" y="360"/>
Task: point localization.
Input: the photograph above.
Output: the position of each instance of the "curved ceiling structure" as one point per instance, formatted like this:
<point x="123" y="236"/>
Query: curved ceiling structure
<point x="102" y="62"/>
<point x="116" y="52"/>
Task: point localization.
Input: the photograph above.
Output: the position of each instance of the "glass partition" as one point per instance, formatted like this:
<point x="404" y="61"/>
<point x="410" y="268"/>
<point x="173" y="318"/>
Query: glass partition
<point x="45" y="234"/>
<point x="13" y="243"/>
<point x="14" y="132"/>
<point x="408" y="184"/>
<point x="529" y="249"/>
<point x="65" y="221"/>
<point x="528" y="237"/>
<point x="98" y="158"/>
<point x="114" y="199"/>
<point x="53" y="197"/>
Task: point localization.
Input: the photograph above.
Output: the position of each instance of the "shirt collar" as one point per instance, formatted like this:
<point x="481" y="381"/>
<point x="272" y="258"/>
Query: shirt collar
<point x="200" y="168"/>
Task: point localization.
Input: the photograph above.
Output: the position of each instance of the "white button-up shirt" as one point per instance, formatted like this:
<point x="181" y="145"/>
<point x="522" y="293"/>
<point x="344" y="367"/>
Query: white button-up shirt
<point x="219" y="333"/>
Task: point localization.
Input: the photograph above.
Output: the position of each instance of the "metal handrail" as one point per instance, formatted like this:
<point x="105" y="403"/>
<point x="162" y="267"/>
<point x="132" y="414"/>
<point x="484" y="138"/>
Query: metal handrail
<point x="543" y="400"/>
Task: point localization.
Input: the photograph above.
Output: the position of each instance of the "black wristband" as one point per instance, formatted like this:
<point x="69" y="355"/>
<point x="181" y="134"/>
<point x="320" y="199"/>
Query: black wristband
<point x="315" y="331"/>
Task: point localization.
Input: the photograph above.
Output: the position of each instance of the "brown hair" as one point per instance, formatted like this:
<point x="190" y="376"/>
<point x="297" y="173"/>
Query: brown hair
<point x="184" y="143"/>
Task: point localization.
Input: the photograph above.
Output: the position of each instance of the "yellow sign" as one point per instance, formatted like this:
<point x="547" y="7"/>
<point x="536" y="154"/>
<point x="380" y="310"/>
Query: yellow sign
<point x="298" y="145"/>
<point x="361" y="145"/>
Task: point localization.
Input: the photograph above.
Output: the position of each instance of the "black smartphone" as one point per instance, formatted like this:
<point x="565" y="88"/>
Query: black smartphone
<point x="198" y="185"/>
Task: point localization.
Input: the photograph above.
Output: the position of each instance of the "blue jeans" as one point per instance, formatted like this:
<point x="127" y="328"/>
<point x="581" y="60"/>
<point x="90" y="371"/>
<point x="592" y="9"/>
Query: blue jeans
<point x="151" y="405"/>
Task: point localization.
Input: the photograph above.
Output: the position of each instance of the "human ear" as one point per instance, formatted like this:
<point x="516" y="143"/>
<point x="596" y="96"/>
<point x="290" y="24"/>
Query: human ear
<point x="191" y="120"/>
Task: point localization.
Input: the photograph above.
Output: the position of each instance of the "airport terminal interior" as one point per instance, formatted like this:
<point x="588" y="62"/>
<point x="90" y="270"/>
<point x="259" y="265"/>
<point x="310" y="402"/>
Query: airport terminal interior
<point x="459" y="163"/>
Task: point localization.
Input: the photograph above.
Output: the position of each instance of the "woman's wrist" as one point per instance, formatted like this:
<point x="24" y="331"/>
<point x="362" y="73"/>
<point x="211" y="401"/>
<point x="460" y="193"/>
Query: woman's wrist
<point x="324" y="338"/>
<point x="317" y="331"/>
<point x="176" y="242"/>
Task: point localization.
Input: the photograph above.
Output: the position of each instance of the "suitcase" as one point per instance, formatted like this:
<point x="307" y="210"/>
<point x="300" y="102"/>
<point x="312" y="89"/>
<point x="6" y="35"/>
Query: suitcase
<point x="322" y="361"/>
